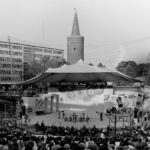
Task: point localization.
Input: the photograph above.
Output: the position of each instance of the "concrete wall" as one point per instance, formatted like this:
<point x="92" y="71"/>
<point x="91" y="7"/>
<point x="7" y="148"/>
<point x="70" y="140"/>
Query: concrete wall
<point x="75" y="49"/>
<point x="126" y="90"/>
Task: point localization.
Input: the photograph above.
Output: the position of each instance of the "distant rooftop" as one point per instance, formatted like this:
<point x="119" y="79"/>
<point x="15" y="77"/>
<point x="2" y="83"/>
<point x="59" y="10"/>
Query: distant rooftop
<point x="31" y="45"/>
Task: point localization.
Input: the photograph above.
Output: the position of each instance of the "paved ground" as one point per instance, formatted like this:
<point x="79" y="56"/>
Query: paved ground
<point x="52" y="119"/>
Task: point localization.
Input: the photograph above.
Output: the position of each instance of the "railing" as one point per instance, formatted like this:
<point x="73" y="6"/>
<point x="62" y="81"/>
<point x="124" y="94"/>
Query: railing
<point x="9" y="93"/>
<point x="6" y="115"/>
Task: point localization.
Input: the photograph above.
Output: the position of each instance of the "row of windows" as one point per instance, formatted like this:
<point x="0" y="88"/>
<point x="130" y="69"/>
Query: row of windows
<point x="8" y="53"/>
<point x="28" y="48"/>
<point x="17" y="53"/>
<point x="38" y="55"/>
<point x="17" y="66"/>
<point x="57" y="52"/>
<point x="16" y="60"/>
<point x="28" y="51"/>
<point x="5" y="65"/>
<point x="16" y="47"/>
<point x="9" y="66"/>
<point x="3" y="45"/>
<point x="9" y="59"/>
<point x="10" y="79"/>
<point x="38" y="49"/>
<point x="17" y="72"/>
<point x="47" y="51"/>
<point x="4" y="59"/>
<point x="5" y="52"/>
<point x="5" y="72"/>
<point x="28" y="55"/>
<point x="57" y="57"/>
<point x="41" y="56"/>
<point x="9" y="72"/>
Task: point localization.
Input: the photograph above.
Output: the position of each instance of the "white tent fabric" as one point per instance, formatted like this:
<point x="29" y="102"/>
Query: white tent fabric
<point x="79" y="67"/>
<point x="81" y="72"/>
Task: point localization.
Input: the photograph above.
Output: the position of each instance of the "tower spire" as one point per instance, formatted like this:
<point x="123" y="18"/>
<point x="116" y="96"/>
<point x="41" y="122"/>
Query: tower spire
<point x="75" y="28"/>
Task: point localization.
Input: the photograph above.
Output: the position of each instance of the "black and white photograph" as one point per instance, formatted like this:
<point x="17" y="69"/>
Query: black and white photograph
<point x="75" y="75"/>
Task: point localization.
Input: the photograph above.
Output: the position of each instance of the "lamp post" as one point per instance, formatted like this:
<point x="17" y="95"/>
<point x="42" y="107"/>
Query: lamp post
<point x="5" y="109"/>
<point x="1" y="122"/>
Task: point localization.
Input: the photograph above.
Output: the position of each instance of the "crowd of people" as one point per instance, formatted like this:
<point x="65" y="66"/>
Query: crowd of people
<point x="74" y="117"/>
<point x="71" y="138"/>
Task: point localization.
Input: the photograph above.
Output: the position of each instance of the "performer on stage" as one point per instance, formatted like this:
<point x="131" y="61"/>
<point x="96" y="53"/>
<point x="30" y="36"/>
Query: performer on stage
<point x="119" y="102"/>
<point x="101" y="116"/>
<point x="63" y="114"/>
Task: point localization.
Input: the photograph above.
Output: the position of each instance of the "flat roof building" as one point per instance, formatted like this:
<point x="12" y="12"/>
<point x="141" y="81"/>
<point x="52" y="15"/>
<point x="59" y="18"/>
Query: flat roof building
<point x="14" y="55"/>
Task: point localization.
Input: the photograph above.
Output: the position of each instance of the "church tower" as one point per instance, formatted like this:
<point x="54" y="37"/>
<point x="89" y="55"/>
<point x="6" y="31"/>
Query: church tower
<point x="75" y="43"/>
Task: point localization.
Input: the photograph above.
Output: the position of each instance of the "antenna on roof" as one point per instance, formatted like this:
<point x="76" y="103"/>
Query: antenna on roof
<point x="43" y="34"/>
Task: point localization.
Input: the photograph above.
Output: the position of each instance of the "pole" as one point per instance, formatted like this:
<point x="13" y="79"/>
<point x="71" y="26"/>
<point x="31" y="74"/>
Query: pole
<point x="130" y="123"/>
<point x="115" y="124"/>
<point x="123" y="120"/>
<point x="1" y="122"/>
<point x="109" y="124"/>
<point x="10" y="57"/>
<point x="43" y="33"/>
<point x="10" y="74"/>
<point x="5" y="110"/>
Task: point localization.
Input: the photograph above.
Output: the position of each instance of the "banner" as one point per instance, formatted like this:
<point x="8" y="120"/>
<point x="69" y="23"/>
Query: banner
<point x="39" y="104"/>
<point x="128" y="101"/>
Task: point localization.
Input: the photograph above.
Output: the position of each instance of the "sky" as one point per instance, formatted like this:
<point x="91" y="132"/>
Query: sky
<point x="114" y="30"/>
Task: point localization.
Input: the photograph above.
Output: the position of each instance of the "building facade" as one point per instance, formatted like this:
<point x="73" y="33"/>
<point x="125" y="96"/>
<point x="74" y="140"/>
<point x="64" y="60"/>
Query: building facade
<point x="14" y="55"/>
<point x="75" y="43"/>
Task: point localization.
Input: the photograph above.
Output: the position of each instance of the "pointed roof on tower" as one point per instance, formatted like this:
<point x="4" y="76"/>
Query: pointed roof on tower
<point x="75" y="28"/>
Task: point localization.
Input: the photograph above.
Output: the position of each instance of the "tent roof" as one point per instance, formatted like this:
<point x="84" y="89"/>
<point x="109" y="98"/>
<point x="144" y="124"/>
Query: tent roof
<point x="79" y="67"/>
<point x="81" y="72"/>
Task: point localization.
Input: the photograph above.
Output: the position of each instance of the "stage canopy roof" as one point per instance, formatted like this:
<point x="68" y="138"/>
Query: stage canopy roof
<point x="81" y="72"/>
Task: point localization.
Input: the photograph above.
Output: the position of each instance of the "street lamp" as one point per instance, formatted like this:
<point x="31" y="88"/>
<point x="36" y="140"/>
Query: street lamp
<point x="5" y="109"/>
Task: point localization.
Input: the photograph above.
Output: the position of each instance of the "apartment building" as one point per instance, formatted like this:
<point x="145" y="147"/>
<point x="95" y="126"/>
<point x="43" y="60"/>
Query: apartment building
<point x="14" y="55"/>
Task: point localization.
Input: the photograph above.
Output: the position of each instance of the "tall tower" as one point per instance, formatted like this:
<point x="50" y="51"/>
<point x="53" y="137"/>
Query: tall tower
<point x="75" y="43"/>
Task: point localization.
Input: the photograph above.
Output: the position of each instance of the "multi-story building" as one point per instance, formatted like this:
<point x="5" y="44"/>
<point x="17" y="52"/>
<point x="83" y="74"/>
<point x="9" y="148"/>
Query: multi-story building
<point x="14" y="55"/>
<point x="36" y="53"/>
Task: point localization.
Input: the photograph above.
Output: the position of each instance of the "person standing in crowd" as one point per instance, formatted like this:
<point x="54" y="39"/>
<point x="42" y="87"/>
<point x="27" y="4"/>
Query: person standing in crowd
<point x="145" y="117"/>
<point x="42" y="126"/>
<point x="83" y="116"/>
<point x="101" y="116"/>
<point x="63" y="113"/>
<point x="37" y="126"/>
<point x="59" y="115"/>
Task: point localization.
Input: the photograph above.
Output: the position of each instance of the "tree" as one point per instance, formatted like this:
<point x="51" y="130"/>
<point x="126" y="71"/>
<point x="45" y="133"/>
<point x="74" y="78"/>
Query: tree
<point x="143" y="69"/>
<point x="148" y="77"/>
<point x="128" y="67"/>
<point x="27" y="73"/>
<point x="38" y="67"/>
<point x="100" y="65"/>
<point x="130" y="71"/>
<point x="91" y="64"/>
